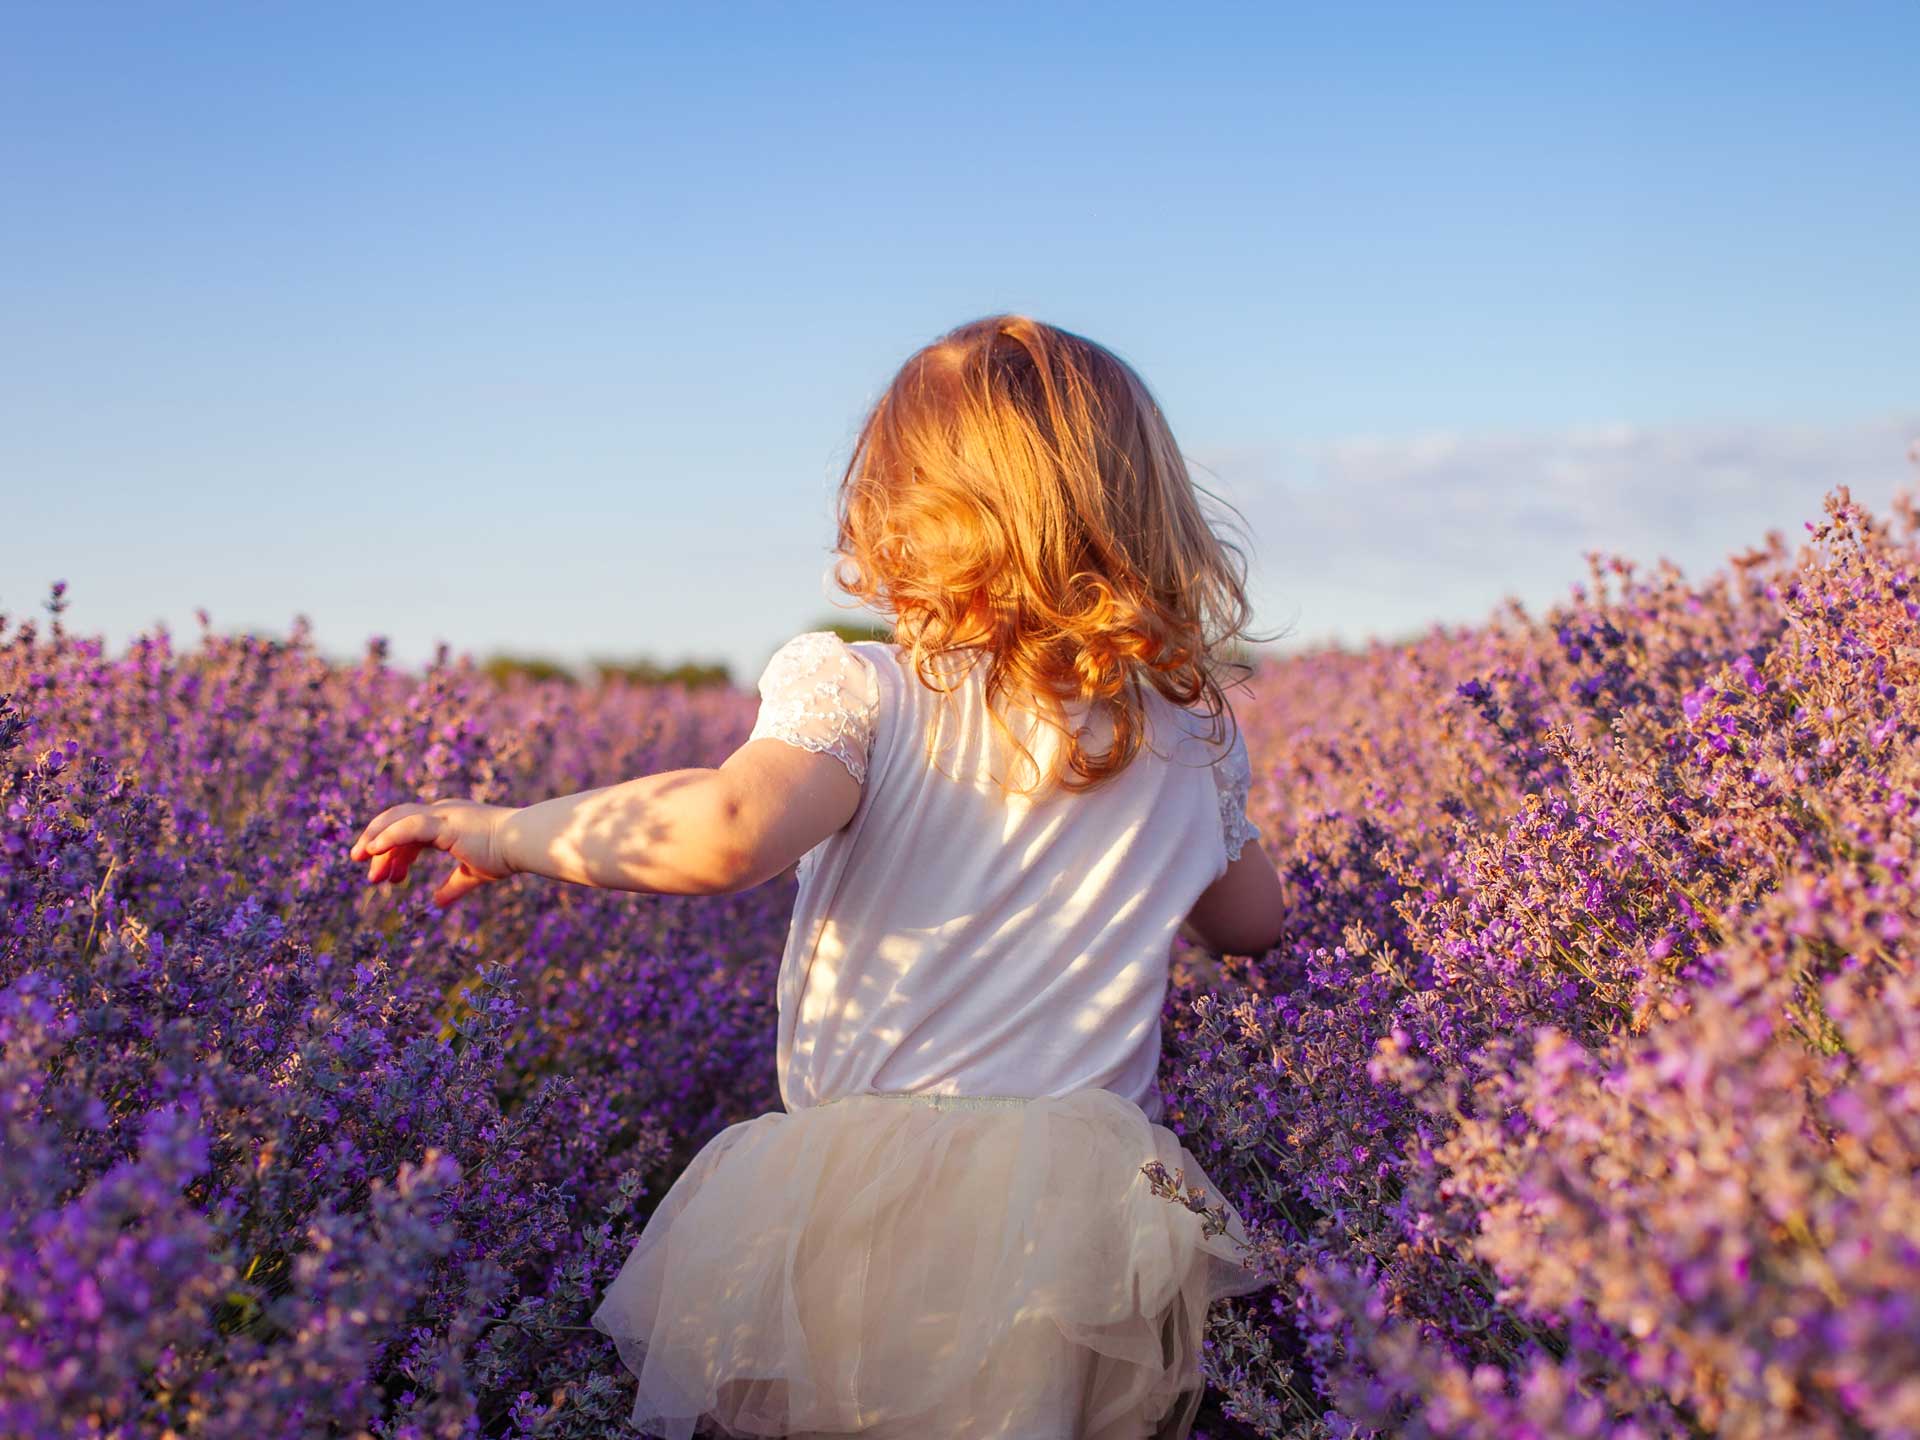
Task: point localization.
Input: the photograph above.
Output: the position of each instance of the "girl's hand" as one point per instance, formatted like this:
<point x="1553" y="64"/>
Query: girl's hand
<point x="466" y="829"/>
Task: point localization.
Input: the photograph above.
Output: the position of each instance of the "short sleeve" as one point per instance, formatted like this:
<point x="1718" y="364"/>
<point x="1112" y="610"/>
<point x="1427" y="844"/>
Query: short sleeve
<point x="820" y="694"/>
<point x="1233" y="777"/>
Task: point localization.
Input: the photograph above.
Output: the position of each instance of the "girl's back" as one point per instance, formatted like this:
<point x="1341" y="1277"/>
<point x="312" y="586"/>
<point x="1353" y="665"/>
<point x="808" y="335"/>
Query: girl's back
<point x="959" y="937"/>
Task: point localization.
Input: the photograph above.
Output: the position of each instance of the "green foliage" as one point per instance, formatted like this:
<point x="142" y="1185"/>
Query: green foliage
<point x="694" y="674"/>
<point x="502" y="668"/>
<point x="853" y="631"/>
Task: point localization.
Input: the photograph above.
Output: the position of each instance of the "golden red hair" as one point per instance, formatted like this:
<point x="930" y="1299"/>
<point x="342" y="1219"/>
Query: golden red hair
<point x="1016" y="488"/>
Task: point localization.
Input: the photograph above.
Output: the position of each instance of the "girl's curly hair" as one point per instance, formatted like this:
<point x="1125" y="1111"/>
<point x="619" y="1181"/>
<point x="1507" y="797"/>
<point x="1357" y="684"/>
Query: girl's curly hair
<point x="1016" y="489"/>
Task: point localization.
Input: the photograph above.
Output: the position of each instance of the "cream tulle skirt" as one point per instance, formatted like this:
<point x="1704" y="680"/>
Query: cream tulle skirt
<point x="926" y="1267"/>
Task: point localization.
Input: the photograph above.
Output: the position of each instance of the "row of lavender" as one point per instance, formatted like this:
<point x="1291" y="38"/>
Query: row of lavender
<point x="1584" y="1099"/>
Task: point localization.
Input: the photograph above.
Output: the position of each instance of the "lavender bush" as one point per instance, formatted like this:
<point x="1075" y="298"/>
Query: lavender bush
<point x="1584" y="1099"/>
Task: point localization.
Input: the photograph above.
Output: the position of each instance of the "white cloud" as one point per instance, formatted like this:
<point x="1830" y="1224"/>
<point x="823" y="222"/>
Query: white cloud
<point x="1371" y="535"/>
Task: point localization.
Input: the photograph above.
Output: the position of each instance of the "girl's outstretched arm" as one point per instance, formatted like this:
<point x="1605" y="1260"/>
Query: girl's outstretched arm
<point x="681" y="832"/>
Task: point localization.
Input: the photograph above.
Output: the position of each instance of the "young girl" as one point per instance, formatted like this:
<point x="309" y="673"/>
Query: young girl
<point x="1001" y="819"/>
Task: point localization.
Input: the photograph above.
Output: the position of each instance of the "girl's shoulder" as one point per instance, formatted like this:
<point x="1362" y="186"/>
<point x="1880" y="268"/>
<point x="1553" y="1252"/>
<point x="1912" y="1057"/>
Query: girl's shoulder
<point x="822" y="693"/>
<point x="819" y="657"/>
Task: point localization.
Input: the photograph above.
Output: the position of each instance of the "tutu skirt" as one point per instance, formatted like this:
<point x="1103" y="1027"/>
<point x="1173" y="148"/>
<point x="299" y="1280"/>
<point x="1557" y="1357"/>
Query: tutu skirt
<point x="944" y="1268"/>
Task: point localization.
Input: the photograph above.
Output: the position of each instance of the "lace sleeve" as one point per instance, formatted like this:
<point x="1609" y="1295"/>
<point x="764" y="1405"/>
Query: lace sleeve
<point x="1233" y="776"/>
<point x="820" y="694"/>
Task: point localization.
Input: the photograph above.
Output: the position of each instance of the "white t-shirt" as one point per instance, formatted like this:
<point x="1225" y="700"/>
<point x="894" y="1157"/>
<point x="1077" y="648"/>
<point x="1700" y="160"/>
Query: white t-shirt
<point x="957" y="939"/>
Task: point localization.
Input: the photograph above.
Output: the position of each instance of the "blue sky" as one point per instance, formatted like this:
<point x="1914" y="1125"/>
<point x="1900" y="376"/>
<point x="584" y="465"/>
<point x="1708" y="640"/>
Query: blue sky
<point x="548" y="328"/>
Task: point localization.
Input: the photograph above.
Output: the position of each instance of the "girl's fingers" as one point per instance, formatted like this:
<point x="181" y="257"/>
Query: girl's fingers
<point x="396" y="837"/>
<point x="461" y="882"/>
<point x="374" y="826"/>
<point x="391" y="865"/>
<point x="421" y="827"/>
<point x="404" y="856"/>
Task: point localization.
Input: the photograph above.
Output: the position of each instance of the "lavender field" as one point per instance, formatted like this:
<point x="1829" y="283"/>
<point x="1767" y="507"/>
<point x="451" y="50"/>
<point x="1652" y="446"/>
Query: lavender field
<point x="1584" y="1099"/>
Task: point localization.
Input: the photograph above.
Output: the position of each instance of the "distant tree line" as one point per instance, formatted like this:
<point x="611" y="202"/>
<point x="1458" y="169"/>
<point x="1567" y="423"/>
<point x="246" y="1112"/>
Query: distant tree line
<point x="694" y="674"/>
